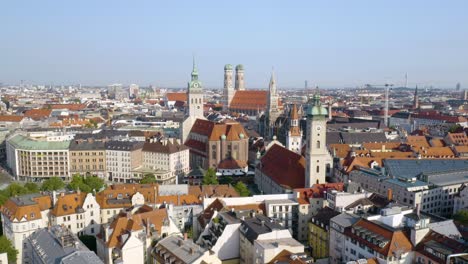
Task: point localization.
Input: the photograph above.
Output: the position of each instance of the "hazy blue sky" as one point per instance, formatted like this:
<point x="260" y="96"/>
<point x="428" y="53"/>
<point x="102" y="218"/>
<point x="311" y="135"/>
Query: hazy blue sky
<point x="329" y="43"/>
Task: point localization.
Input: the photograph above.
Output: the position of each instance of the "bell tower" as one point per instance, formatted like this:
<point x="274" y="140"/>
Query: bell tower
<point x="228" y="91"/>
<point x="195" y="95"/>
<point x="316" y="150"/>
<point x="294" y="137"/>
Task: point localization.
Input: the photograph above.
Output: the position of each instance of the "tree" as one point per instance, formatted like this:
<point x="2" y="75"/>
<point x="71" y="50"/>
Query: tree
<point x="461" y="216"/>
<point x="148" y="178"/>
<point x="226" y="180"/>
<point x="210" y="177"/>
<point x="94" y="182"/>
<point x="53" y="184"/>
<point x="31" y="187"/>
<point x="6" y="246"/>
<point x="15" y="189"/>
<point x="242" y="189"/>
<point x="87" y="184"/>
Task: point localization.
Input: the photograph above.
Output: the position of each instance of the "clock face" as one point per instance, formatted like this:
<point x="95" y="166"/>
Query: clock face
<point x="195" y="85"/>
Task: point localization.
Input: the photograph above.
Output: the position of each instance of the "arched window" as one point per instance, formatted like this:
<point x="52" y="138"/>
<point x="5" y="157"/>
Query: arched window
<point x="318" y="143"/>
<point x="318" y="168"/>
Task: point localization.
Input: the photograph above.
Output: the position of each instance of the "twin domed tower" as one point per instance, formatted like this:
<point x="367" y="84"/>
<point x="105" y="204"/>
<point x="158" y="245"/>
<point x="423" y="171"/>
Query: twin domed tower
<point x="229" y="89"/>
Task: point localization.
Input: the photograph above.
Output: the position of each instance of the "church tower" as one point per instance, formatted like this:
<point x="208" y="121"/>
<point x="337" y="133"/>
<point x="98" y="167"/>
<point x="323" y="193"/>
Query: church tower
<point x="240" y="78"/>
<point x="273" y="111"/>
<point x="228" y="91"/>
<point x="194" y="108"/>
<point x="416" y="99"/>
<point x="294" y="137"/>
<point x="316" y="152"/>
<point x="195" y="95"/>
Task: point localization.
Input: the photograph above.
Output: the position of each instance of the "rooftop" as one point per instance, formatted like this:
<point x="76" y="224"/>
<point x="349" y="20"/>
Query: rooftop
<point x="26" y="143"/>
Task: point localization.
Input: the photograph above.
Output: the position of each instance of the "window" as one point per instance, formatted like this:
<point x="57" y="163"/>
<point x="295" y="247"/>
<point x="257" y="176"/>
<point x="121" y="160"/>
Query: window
<point x="318" y="143"/>
<point x="318" y="169"/>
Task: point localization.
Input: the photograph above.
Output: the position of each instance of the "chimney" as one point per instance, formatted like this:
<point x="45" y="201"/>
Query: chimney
<point x="147" y="227"/>
<point x="262" y="222"/>
<point x="180" y="242"/>
<point x="185" y="236"/>
<point x="54" y="198"/>
<point x="192" y="251"/>
<point x="389" y="194"/>
<point x="62" y="194"/>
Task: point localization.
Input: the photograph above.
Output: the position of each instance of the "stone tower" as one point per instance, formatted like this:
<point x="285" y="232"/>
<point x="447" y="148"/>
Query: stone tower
<point x="228" y="91"/>
<point x="195" y="95"/>
<point x="416" y="99"/>
<point x="273" y="111"/>
<point x="240" y="78"/>
<point x="317" y="154"/>
<point x="294" y="137"/>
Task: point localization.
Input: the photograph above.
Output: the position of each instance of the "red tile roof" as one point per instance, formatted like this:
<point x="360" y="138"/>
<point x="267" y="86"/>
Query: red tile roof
<point x="71" y="107"/>
<point x="11" y="118"/>
<point x="317" y="191"/>
<point x="214" y="131"/>
<point x="285" y="167"/>
<point x="397" y="240"/>
<point x="38" y="114"/>
<point x="250" y="100"/>
<point x="176" y="97"/>
<point x="232" y="164"/>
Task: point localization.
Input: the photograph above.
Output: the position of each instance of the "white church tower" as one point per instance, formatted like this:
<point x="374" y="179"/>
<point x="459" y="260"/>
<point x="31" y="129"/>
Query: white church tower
<point x="195" y="95"/>
<point x="294" y="137"/>
<point x="194" y="108"/>
<point x="317" y="156"/>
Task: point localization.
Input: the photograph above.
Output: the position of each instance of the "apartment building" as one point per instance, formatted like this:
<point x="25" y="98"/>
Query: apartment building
<point x="22" y="216"/>
<point x="88" y="158"/>
<point x="57" y="244"/>
<point x="319" y="232"/>
<point x="78" y="211"/>
<point x="258" y="231"/>
<point x="175" y="249"/>
<point x="310" y="200"/>
<point x="166" y="159"/>
<point x="38" y="157"/>
<point x="122" y="158"/>
<point x="129" y="238"/>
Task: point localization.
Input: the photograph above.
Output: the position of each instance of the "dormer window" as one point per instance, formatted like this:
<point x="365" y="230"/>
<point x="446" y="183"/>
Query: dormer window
<point x="33" y="215"/>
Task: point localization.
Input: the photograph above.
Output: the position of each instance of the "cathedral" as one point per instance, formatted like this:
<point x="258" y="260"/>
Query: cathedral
<point x="239" y="100"/>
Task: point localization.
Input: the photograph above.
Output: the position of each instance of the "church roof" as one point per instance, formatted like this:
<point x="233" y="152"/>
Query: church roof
<point x="214" y="131"/>
<point x="285" y="167"/>
<point x="250" y="100"/>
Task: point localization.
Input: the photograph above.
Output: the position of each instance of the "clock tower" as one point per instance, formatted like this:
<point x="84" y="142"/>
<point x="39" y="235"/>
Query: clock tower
<point x="317" y="155"/>
<point x="195" y="95"/>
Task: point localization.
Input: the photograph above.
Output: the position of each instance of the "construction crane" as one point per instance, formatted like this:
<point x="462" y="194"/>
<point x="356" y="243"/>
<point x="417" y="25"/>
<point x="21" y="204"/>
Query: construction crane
<point x="387" y="86"/>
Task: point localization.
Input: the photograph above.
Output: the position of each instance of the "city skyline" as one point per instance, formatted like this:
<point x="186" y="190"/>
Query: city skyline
<point x="332" y="45"/>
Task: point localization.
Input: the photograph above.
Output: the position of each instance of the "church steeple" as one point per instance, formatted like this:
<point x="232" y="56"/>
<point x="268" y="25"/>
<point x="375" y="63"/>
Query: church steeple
<point x="294" y="137"/>
<point x="416" y="98"/>
<point x="194" y="70"/>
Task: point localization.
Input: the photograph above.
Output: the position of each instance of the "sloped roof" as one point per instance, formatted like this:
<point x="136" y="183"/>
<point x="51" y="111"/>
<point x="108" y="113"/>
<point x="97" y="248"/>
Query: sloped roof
<point x="232" y="130"/>
<point x="124" y="224"/>
<point x="68" y="204"/>
<point x="176" y="97"/>
<point x="398" y="240"/>
<point x="441" y="244"/>
<point x="37" y="114"/>
<point x="27" y="206"/>
<point x="11" y="118"/>
<point x="316" y="191"/>
<point x="285" y="167"/>
<point x="71" y="107"/>
<point x="232" y="164"/>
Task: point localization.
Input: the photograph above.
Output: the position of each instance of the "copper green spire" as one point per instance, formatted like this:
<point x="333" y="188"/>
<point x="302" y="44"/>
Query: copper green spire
<point x="194" y="70"/>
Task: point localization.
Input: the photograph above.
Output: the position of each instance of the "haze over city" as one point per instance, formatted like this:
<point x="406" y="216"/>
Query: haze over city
<point x="330" y="43"/>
